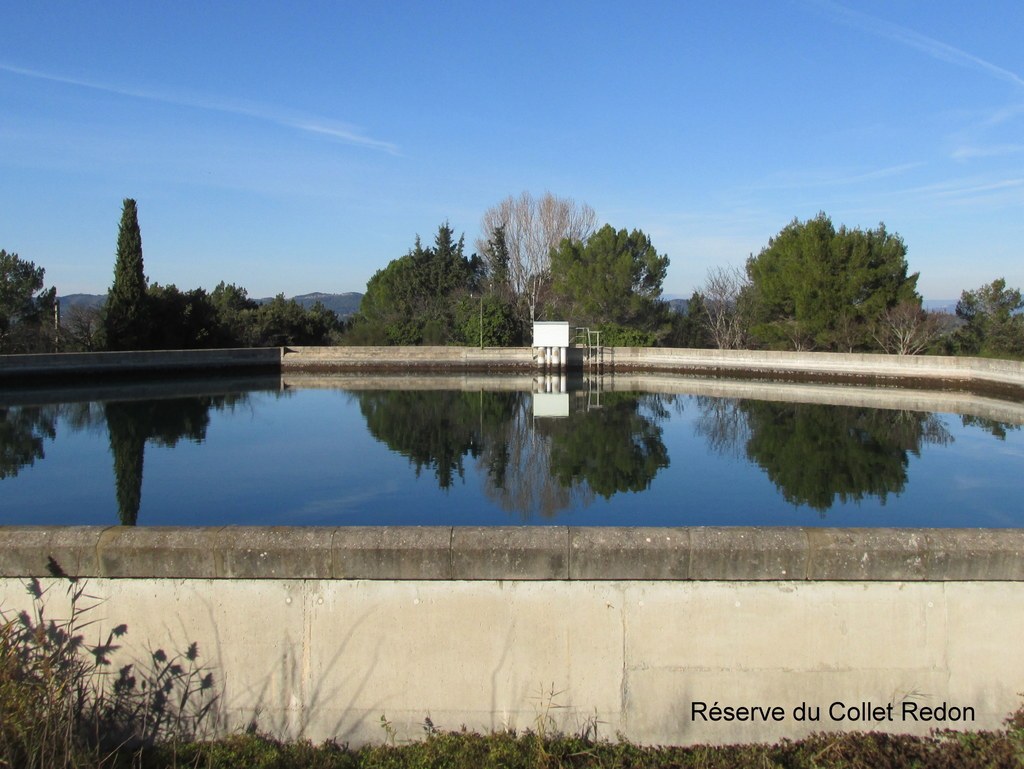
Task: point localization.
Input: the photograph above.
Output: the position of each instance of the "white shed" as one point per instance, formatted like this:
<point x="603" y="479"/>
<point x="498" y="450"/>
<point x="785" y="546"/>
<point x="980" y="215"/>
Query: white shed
<point x="551" y="343"/>
<point x="551" y="333"/>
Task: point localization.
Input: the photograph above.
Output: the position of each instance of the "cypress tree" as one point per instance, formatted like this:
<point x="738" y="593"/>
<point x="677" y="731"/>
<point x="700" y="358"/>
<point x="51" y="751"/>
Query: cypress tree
<point x="126" y="315"/>
<point x="125" y="423"/>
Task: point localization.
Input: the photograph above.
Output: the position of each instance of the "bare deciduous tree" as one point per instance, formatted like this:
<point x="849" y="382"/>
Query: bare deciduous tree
<point x="532" y="228"/>
<point x="721" y="291"/>
<point x="82" y="328"/>
<point x="526" y="484"/>
<point x="724" y="425"/>
<point x="907" y="329"/>
<point x="799" y="336"/>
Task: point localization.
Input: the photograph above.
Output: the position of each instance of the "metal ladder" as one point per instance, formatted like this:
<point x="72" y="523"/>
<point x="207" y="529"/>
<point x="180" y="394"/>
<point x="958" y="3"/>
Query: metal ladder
<point x="593" y="356"/>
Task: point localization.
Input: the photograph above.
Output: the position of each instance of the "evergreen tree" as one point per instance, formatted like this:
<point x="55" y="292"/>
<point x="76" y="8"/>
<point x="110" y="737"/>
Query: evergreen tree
<point x="496" y="258"/>
<point x="690" y="328"/>
<point x="26" y="309"/>
<point x="413" y="300"/>
<point x="490" y="316"/>
<point x="818" y="287"/>
<point x="993" y="324"/>
<point x="126" y="314"/>
<point x="613" y="278"/>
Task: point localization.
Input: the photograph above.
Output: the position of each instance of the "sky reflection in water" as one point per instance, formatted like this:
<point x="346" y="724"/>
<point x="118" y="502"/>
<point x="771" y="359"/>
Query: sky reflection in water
<point x="266" y="456"/>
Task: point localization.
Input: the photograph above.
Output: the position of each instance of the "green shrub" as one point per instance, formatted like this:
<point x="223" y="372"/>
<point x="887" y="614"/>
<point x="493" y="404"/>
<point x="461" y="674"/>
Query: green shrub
<point x="614" y="335"/>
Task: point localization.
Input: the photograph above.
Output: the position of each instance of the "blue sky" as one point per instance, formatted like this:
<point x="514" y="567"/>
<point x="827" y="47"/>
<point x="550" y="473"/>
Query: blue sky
<point x="297" y="147"/>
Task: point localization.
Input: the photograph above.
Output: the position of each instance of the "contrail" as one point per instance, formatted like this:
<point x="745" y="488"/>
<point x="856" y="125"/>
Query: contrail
<point x="927" y="45"/>
<point x="319" y="126"/>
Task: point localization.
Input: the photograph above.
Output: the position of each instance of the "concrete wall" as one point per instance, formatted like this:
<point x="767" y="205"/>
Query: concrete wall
<point x="319" y="632"/>
<point x="973" y="373"/>
<point x="1004" y="377"/>
<point x="73" y="365"/>
<point x="406" y="358"/>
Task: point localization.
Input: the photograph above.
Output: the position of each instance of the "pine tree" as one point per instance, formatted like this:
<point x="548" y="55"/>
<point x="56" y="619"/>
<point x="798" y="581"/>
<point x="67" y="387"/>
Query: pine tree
<point x="816" y="287"/>
<point x="126" y="315"/>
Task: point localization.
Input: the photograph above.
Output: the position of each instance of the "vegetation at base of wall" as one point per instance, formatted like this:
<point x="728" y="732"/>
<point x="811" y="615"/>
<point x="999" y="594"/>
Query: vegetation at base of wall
<point x="56" y="743"/>
<point x="536" y="750"/>
<point x="62" y="705"/>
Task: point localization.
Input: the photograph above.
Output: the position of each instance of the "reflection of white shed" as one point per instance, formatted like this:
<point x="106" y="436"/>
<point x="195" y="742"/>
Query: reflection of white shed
<point x="550" y="405"/>
<point x="551" y="342"/>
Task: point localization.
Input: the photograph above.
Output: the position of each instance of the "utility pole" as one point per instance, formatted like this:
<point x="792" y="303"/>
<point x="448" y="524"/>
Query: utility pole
<point x="56" y="324"/>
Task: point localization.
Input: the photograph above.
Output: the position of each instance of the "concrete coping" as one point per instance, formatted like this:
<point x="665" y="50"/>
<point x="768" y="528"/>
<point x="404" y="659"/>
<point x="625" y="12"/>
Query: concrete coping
<point x="1001" y="377"/>
<point x="514" y="553"/>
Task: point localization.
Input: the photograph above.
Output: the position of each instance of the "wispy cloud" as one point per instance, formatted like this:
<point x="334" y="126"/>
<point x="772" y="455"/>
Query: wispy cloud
<point x="999" y="150"/>
<point x="832" y="180"/>
<point x="927" y="45"/>
<point x="337" y="130"/>
<point x="1005" y="114"/>
<point x="830" y="177"/>
<point x="970" y="190"/>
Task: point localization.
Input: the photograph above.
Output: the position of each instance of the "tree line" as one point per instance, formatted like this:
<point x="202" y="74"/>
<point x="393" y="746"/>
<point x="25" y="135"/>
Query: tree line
<point x="818" y="287"/>
<point x="139" y="315"/>
<point x="814" y="286"/>
<point x="537" y="259"/>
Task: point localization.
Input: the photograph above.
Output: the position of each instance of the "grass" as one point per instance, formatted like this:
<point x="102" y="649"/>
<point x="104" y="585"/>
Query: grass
<point x="529" y="750"/>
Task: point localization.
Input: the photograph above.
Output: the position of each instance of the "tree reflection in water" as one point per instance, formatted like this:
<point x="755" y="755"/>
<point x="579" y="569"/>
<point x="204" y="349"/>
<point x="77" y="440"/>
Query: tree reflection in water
<point x="816" y="454"/>
<point x="530" y="466"/>
<point x="723" y="425"/>
<point x="434" y="429"/>
<point x="615" y="448"/>
<point x="517" y="468"/>
<point x="23" y="433"/>
<point x="163" y="422"/>
<point x="991" y="426"/>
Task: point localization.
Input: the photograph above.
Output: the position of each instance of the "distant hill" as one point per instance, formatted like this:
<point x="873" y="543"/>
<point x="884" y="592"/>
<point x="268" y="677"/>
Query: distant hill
<point x="940" y="305"/>
<point x="81" y="300"/>
<point x="343" y="304"/>
<point x="679" y="305"/>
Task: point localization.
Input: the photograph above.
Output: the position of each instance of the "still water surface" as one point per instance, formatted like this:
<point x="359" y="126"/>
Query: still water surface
<point x="218" y="453"/>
